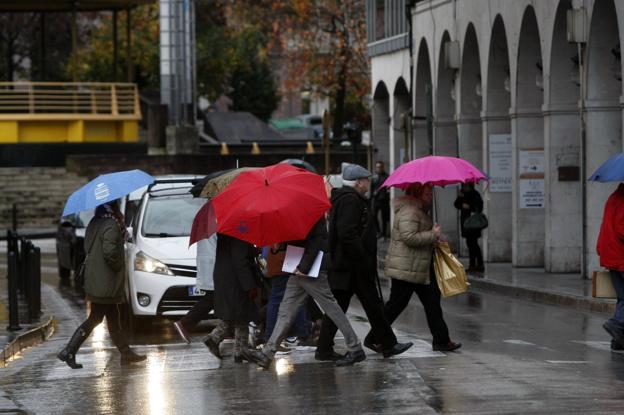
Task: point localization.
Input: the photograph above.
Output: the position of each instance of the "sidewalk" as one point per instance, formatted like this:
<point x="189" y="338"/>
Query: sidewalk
<point x="537" y="285"/>
<point x="533" y="284"/>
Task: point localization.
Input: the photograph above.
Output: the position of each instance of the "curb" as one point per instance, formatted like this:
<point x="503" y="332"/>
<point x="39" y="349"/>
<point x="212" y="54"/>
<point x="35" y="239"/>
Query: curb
<point x="544" y="296"/>
<point x="30" y="338"/>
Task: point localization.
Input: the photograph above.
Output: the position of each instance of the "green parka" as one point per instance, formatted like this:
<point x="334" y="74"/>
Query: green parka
<point x="105" y="271"/>
<point x="411" y="244"/>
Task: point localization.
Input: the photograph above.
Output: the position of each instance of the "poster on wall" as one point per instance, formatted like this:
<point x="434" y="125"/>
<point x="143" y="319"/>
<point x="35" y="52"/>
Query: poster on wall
<point x="531" y="193"/>
<point x="500" y="162"/>
<point x="531" y="178"/>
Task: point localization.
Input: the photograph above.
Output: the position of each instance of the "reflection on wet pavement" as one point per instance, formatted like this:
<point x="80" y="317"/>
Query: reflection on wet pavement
<point x="518" y="357"/>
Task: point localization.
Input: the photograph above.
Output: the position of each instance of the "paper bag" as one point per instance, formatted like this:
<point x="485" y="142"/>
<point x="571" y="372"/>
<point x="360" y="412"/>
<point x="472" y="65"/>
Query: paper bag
<point x="450" y="273"/>
<point x="602" y="287"/>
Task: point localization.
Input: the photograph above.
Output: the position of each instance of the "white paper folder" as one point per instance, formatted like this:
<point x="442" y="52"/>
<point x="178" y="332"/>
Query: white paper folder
<point x="293" y="258"/>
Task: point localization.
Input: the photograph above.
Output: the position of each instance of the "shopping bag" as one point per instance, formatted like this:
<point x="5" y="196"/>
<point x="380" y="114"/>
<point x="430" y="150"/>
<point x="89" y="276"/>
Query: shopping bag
<point x="450" y="273"/>
<point x="602" y="287"/>
<point x="275" y="261"/>
<point x="476" y="222"/>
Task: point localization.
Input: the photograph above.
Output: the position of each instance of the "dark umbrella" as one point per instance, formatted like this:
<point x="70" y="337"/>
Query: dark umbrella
<point x="300" y="163"/>
<point x="198" y="185"/>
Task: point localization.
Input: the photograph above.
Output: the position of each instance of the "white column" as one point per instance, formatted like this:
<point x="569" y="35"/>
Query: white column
<point x="563" y="233"/>
<point x="527" y="128"/>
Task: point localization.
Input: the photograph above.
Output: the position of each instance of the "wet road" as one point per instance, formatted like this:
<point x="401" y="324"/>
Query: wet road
<point x="518" y="357"/>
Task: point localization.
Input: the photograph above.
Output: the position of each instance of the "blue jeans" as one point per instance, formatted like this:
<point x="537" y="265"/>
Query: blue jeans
<point x="618" y="284"/>
<point x="301" y="326"/>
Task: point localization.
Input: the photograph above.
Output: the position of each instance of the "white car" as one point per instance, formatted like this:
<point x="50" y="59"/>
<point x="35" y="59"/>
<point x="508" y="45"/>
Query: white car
<point x="161" y="265"/>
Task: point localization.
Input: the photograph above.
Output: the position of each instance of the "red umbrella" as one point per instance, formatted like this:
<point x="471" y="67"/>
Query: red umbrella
<point x="204" y="224"/>
<point x="270" y="205"/>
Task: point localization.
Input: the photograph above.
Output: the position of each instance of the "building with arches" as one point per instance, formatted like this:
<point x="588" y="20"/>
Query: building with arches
<point x="528" y="91"/>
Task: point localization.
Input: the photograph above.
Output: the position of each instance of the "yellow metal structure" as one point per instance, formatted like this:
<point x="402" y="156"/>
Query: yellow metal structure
<point x="68" y="112"/>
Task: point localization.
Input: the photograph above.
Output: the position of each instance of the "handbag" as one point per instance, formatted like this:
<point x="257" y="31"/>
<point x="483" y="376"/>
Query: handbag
<point x="476" y="222"/>
<point x="450" y="273"/>
<point x="275" y="260"/>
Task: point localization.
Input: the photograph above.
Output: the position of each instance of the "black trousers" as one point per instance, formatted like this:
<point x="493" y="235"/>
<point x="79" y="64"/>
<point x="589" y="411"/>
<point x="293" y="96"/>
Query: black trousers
<point x="366" y="292"/>
<point x="383" y="207"/>
<point x="113" y="322"/>
<point x="429" y="295"/>
<point x="200" y="311"/>
<point x="474" y="251"/>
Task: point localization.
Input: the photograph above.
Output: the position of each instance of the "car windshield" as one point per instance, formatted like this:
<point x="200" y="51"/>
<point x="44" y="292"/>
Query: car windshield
<point x="170" y="216"/>
<point x="316" y="121"/>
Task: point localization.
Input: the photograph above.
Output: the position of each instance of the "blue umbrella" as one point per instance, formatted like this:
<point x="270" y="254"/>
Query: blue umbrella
<point x="611" y="170"/>
<point x="106" y="188"/>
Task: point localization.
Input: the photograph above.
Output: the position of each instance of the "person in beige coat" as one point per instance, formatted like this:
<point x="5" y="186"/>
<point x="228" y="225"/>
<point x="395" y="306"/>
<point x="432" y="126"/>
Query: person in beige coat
<point x="409" y="263"/>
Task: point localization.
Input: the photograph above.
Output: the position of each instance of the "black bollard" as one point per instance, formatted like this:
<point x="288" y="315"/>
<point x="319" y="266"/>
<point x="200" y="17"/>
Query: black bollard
<point x="14" y="215"/>
<point x="34" y="282"/>
<point x="22" y="258"/>
<point x="13" y="305"/>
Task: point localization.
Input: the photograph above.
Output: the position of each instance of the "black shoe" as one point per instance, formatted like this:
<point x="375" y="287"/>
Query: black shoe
<point x="615" y="332"/>
<point x="213" y="347"/>
<point x="257" y="357"/>
<point x="372" y="346"/>
<point x="448" y="347"/>
<point x="397" y="349"/>
<point x="68" y="357"/>
<point x="351" y="358"/>
<point x="616" y="347"/>
<point x="330" y="356"/>
<point x="128" y="357"/>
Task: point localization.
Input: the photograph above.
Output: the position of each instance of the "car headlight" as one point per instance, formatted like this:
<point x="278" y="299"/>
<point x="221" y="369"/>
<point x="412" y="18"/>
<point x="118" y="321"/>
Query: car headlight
<point x="143" y="262"/>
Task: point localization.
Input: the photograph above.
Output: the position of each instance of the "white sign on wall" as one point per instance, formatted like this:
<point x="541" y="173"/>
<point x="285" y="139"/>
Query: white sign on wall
<point x="531" y="162"/>
<point x="531" y="178"/>
<point x="500" y="163"/>
<point x="531" y="193"/>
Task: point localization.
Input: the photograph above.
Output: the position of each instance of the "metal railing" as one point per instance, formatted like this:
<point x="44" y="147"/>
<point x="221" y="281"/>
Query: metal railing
<point x="64" y="100"/>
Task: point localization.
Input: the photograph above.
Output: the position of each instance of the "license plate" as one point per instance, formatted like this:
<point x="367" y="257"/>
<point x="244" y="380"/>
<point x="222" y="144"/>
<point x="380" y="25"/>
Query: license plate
<point x="194" y="291"/>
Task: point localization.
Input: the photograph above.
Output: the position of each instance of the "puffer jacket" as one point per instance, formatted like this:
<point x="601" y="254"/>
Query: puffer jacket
<point x="411" y="245"/>
<point x="105" y="271"/>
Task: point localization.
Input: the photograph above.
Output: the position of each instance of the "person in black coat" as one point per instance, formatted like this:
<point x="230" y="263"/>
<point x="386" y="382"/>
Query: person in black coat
<point x="353" y="251"/>
<point x="299" y="286"/>
<point x="469" y="201"/>
<point x="235" y="288"/>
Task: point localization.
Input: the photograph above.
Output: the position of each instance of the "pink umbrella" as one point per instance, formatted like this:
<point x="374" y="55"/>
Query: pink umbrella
<point x="435" y="170"/>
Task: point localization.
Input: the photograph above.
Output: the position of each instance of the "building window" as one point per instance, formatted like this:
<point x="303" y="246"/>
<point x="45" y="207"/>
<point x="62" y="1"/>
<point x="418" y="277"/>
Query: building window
<point x="380" y="15"/>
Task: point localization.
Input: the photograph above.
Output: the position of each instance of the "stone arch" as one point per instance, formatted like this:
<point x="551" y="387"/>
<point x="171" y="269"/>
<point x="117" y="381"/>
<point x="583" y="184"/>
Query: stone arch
<point x="381" y="122"/>
<point x="528" y="136"/>
<point x="445" y="140"/>
<point x="563" y="221"/>
<point x="603" y="113"/>
<point x="401" y="109"/>
<point x="497" y="136"/>
<point x="423" y="105"/>
<point x="469" y="126"/>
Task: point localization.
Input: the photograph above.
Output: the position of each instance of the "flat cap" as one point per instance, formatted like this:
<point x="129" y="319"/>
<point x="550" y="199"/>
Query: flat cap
<point x="354" y="172"/>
